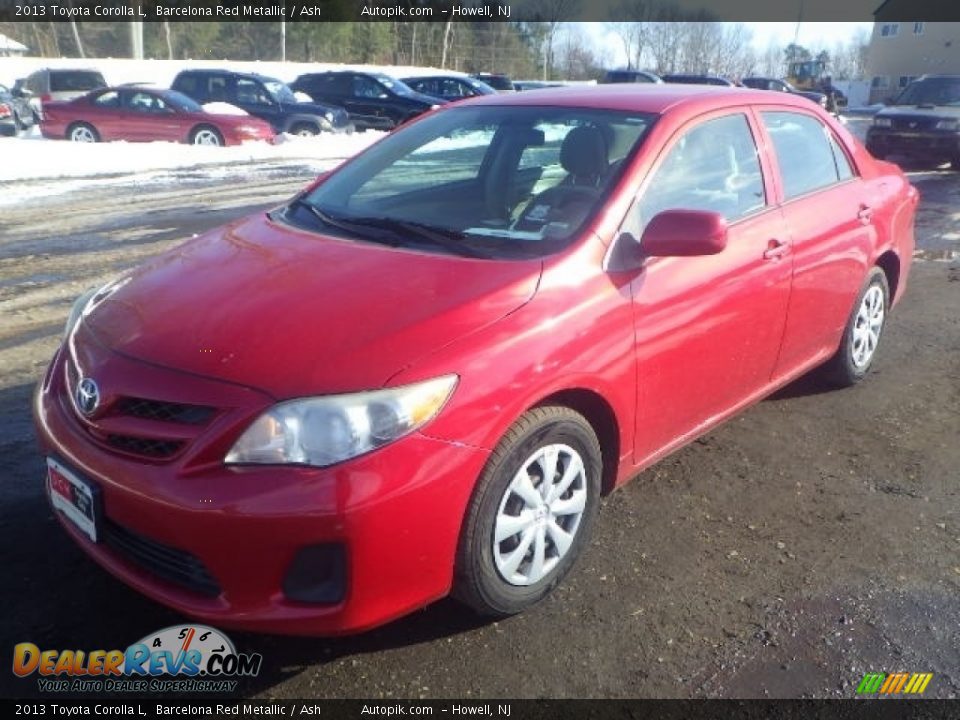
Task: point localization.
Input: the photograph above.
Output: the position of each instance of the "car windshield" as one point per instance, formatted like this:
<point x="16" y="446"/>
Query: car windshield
<point x="279" y="91"/>
<point x="182" y="102"/>
<point x="480" y="86"/>
<point x="931" y="91"/>
<point x="400" y="88"/>
<point x="489" y="181"/>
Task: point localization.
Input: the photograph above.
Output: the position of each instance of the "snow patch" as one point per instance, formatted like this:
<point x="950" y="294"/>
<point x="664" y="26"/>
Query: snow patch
<point x="223" y="108"/>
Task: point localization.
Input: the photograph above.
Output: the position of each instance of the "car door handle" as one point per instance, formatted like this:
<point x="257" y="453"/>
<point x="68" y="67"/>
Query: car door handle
<point x="865" y="214"/>
<point x="776" y="249"/>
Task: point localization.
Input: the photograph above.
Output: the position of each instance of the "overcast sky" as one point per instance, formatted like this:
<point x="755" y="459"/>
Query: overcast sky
<point x="809" y="34"/>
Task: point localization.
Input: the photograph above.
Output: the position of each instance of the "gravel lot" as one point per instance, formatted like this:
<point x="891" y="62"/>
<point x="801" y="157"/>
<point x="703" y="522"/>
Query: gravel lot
<point x="814" y="538"/>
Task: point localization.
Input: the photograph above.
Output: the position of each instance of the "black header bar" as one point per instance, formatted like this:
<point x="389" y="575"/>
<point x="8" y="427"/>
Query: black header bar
<point x="479" y="10"/>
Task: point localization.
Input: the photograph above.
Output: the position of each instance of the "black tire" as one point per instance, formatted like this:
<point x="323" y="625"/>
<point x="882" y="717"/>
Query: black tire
<point x="216" y="138"/>
<point x="478" y="581"/>
<point x="842" y="370"/>
<point x="18" y="125"/>
<point x="955" y="162"/>
<point x="82" y="126"/>
<point x="304" y="129"/>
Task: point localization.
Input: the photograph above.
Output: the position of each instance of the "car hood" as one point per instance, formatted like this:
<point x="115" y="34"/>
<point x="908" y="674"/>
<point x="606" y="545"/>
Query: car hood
<point x="915" y="111"/>
<point x="294" y="313"/>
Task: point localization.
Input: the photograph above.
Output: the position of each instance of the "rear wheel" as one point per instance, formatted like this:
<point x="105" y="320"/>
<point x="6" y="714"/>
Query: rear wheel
<point x="862" y="334"/>
<point x="955" y="162"/>
<point x="82" y="132"/>
<point x="206" y="135"/>
<point x="531" y="514"/>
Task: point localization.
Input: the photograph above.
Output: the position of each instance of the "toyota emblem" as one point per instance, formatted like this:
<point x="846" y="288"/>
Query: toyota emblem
<point x="87" y="396"/>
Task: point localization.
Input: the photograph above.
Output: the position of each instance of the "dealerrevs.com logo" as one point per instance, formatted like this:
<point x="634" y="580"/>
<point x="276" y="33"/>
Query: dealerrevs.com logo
<point x="180" y="658"/>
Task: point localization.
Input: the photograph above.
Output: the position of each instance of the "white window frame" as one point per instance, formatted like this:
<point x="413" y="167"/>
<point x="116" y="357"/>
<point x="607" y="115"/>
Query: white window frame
<point x="889" y="29"/>
<point x="918" y="28"/>
<point x="880" y="82"/>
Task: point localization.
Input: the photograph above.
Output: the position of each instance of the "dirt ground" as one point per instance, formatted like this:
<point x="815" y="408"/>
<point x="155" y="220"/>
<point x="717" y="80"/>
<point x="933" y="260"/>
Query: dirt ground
<point x="811" y="540"/>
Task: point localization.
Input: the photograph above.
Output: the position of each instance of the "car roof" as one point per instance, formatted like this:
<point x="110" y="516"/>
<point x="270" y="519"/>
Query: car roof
<point x="222" y="71"/>
<point x="644" y="97"/>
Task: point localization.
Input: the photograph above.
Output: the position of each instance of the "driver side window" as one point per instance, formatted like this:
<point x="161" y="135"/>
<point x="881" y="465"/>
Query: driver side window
<point x="713" y="167"/>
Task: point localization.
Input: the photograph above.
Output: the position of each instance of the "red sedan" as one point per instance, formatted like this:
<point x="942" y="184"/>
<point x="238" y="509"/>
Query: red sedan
<point x="141" y="114"/>
<point x="419" y="376"/>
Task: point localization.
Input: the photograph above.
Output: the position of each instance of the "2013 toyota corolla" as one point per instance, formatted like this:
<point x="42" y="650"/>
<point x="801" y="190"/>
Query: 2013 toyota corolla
<point x="420" y="375"/>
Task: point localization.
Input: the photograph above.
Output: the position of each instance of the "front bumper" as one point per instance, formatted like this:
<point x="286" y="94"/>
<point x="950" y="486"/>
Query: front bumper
<point x="394" y="515"/>
<point x="941" y="145"/>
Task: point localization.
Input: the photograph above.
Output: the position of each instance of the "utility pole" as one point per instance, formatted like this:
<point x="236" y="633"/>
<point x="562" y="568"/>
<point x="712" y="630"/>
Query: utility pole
<point x="136" y="40"/>
<point x="283" y="40"/>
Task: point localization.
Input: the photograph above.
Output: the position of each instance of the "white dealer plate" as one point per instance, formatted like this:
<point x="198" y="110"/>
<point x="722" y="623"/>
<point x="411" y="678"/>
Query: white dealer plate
<point x="74" y="497"/>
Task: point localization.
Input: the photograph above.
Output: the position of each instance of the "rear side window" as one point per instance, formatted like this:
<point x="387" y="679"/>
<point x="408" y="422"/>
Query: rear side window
<point x="188" y="85"/>
<point x="806" y="153"/>
<point x="109" y="99"/>
<point x="75" y="80"/>
<point x="332" y="84"/>
<point x="713" y="167"/>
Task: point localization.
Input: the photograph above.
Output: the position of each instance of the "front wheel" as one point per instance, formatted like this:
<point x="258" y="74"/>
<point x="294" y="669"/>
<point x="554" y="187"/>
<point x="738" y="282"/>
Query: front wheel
<point x="304" y="130"/>
<point x="531" y="514"/>
<point x="862" y="334"/>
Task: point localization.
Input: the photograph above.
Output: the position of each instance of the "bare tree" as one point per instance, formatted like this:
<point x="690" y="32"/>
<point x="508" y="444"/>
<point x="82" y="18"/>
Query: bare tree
<point x="166" y="34"/>
<point x="76" y="32"/>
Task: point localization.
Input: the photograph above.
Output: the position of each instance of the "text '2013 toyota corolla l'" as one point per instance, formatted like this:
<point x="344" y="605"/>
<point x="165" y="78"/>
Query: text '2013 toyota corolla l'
<point x="420" y="375"/>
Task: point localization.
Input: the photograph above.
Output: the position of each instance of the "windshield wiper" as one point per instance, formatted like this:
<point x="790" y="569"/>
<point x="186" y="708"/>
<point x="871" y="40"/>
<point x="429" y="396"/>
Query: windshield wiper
<point x="351" y="228"/>
<point x="399" y="231"/>
<point x="446" y="239"/>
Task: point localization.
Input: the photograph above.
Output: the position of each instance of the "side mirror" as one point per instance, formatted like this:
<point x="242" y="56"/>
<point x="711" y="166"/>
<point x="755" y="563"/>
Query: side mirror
<point x="684" y="233"/>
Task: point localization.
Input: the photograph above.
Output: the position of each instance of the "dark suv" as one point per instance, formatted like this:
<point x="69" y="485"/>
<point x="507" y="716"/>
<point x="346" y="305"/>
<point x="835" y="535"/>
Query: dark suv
<point x="923" y="122"/>
<point x="263" y="97"/>
<point x="630" y="76"/>
<point x="373" y="100"/>
<point x="683" y="79"/>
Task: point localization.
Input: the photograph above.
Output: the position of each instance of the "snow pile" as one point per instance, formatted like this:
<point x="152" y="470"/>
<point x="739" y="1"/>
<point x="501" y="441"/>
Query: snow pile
<point x="24" y="159"/>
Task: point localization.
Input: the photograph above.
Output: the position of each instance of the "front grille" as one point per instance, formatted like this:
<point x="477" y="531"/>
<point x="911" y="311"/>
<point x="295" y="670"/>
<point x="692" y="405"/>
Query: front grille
<point x="164" y="411"/>
<point x="146" y="447"/>
<point x="914" y="123"/>
<point x="176" y="566"/>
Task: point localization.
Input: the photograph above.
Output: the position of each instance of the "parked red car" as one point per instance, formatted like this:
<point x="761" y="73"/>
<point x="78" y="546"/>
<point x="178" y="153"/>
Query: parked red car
<point x="143" y="114"/>
<point x="421" y="374"/>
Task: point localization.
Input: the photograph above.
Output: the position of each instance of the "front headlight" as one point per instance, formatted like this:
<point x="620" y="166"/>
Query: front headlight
<point x="949" y="124"/>
<point x="329" y="116"/>
<point x="882" y="122"/>
<point x="323" y="431"/>
<point x="248" y="130"/>
<point x="434" y="107"/>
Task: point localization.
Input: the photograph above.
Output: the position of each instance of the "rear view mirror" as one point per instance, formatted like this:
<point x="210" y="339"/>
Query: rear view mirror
<point x="684" y="233"/>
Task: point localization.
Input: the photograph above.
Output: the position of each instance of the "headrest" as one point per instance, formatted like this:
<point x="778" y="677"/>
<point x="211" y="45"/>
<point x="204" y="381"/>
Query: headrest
<point x="584" y="152"/>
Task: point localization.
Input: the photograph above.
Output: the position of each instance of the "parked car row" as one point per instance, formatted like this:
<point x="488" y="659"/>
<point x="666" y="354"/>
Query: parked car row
<point x="79" y="105"/>
<point x="756" y="83"/>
